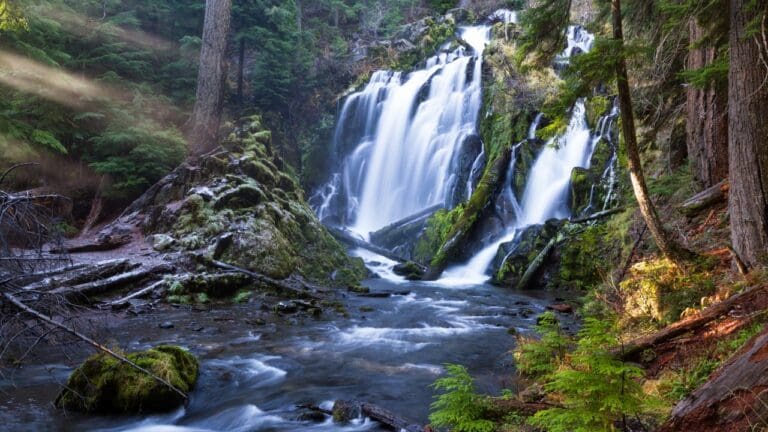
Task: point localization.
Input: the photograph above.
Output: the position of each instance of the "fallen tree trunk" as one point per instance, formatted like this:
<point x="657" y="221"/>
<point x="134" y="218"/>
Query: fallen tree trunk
<point x="704" y="199"/>
<point x="536" y="264"/>
<point x="48" y="320"/>
<point x="103" y="243"/>
<point x="344" y="411"/>
<point x="139" y="293"/>
<point x="301" y="292"/>
<point x="734" y="399"/>
<point x="598" y="215"/>
<point x="84" y="292"/>
<point x="348" y="238"/>
<point x="78" y="275"/>
<point x="703" y="318"/>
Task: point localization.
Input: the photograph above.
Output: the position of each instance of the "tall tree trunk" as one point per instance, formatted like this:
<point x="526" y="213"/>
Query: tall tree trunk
<point x="204" y="124"/>
<point x="707" y="122"/>
<point x="299" y="16"/>
<point x="748" y="136"/>
<point x="667" y="246"/>
<point x="241" y="73"/>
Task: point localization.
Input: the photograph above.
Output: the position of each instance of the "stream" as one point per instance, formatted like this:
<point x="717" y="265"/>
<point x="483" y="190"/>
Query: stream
<point x="253" y="376"/>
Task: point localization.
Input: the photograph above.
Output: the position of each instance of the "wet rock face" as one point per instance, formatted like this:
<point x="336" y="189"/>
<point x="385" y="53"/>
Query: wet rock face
<point x="102" y="384"/>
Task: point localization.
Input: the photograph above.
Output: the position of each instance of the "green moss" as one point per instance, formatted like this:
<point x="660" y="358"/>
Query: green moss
<point x="596" y="106"/>
<point x="242" y="296"/>
<point x="105" y="385"/>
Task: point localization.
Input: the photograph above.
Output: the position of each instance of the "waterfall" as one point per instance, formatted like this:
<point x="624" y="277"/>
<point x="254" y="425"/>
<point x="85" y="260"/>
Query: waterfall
<point x="546" y="190"/>
<point x="405" y="137"/>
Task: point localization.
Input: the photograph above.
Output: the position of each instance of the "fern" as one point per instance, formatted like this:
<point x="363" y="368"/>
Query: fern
<point x="541" y="357"/>
<point x="596" y="388"/>
<point x="459" y="407"/>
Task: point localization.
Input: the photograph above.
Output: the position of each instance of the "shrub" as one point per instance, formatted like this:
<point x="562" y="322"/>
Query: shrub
<point x="459" y="407"/>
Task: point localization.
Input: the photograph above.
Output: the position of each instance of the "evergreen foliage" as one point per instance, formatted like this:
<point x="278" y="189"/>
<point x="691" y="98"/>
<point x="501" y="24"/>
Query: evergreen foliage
<point x="459" y="407"/>
<point x="597" y="390"/>
<point x="540" y="358"/>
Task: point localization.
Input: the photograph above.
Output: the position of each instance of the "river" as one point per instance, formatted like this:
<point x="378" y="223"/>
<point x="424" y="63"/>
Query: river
<point x="388" y="351"/>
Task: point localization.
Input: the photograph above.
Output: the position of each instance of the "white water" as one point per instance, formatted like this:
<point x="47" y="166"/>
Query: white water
<point x="407" y="133"/>
<point x="546" y="190"/>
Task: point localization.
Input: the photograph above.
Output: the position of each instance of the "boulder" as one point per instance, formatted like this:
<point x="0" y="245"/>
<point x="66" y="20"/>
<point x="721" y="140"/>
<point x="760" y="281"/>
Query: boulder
<point x="410" y="270"/>
<point x="161" y="242"/>
<point x="103" y="384"/>
<point x="514" y="258"/>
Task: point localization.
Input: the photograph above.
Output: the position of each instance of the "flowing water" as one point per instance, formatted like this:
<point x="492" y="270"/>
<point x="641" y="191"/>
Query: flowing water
<point x="405" y="136"/>
<point x="252" y="377"/>
<point x="406" y="142"/>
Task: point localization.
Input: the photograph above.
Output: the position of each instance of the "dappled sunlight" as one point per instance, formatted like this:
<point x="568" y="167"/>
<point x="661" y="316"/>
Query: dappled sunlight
<point x="82" y="25"/>
<point x="66" y="88"/>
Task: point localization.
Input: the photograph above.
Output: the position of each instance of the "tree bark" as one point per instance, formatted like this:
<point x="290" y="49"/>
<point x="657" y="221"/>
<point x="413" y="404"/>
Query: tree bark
<point x="203" y="126"/>
<point x="734" y="399"/>
<point x="241" y="73"/>
<point x="669" y="248"/>
<point x="707" y="120"/>
<point x="748" y="136"/>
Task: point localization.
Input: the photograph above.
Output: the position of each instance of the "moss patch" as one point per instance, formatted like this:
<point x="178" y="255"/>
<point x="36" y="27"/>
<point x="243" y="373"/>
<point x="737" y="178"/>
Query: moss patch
<point x="103" y="384"/>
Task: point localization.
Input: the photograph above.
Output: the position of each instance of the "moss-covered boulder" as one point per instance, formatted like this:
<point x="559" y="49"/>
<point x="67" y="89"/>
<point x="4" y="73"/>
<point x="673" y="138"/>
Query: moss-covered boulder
<point x="514" y="258"/>
<point x="103" y="384"/>
<point x="243" y="206"/>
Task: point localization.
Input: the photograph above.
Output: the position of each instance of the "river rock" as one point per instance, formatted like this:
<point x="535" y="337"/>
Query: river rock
<point x="286" y="307"/>
<point x="410" y="270"/>
<point x="161" y="242"/>
<point x="103" y="384"/>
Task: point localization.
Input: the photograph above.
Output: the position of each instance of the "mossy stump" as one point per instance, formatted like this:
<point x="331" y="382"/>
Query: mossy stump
<point x="103" y="384"/>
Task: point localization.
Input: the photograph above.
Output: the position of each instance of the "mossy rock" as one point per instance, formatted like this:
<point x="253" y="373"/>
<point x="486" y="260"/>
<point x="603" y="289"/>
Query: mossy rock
<point x="409" y="270"/>
<point x="245" y="195"/>
<point x="103" y="384"/>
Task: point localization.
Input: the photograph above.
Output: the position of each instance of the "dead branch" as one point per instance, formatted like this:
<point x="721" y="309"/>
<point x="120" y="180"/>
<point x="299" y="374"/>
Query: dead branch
<point x="19" y="304"/>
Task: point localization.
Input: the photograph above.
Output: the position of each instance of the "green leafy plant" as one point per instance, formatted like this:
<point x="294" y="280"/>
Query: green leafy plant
<point x="596" y="388"/>
<point x="541" y="357"/>
<point x="459" y="407"/>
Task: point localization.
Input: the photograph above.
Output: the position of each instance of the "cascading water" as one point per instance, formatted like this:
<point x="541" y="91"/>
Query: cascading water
<point x="546" y="190"/>
<point x="406" y="137"/>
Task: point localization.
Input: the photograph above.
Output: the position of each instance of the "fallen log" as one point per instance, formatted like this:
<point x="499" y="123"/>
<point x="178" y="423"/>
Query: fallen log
<point x="734" y="399"/>
<point x="103" y="243"/>
<point x="344" y="411"/>
<point x="49" y="320"/>
<point x="598" y="215"/>
<point x="80" y="275"/>
<point x="413" y="222"/>
<point x="536" y="264"/>
<point x="84" y="292"/>
<point x="349" y="239"/>
<point x="302" y="292"/>
<point x="705" y="199"/>
<point x="690" y="324"/>
<point x="139" y="293"/>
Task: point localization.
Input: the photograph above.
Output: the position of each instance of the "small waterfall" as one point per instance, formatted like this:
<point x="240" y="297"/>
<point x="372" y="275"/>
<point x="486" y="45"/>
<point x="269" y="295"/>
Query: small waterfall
<point x="405" y="137"/>
<point x="546" y="190"/>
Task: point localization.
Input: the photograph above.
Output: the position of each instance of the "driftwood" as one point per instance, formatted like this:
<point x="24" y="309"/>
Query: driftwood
<point x="142" y="292"/>
<point x="102" y="243"/>
<point x="687" y="325"/>
<point x="23" y="307"/>
<point x="734" y="399"/>
<point x="348" y="410"/>
<point x="705" y="199"/>
<point x="83" y="292"/>
<point x="348" y="238"/>
<point x="414" y="221"/>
